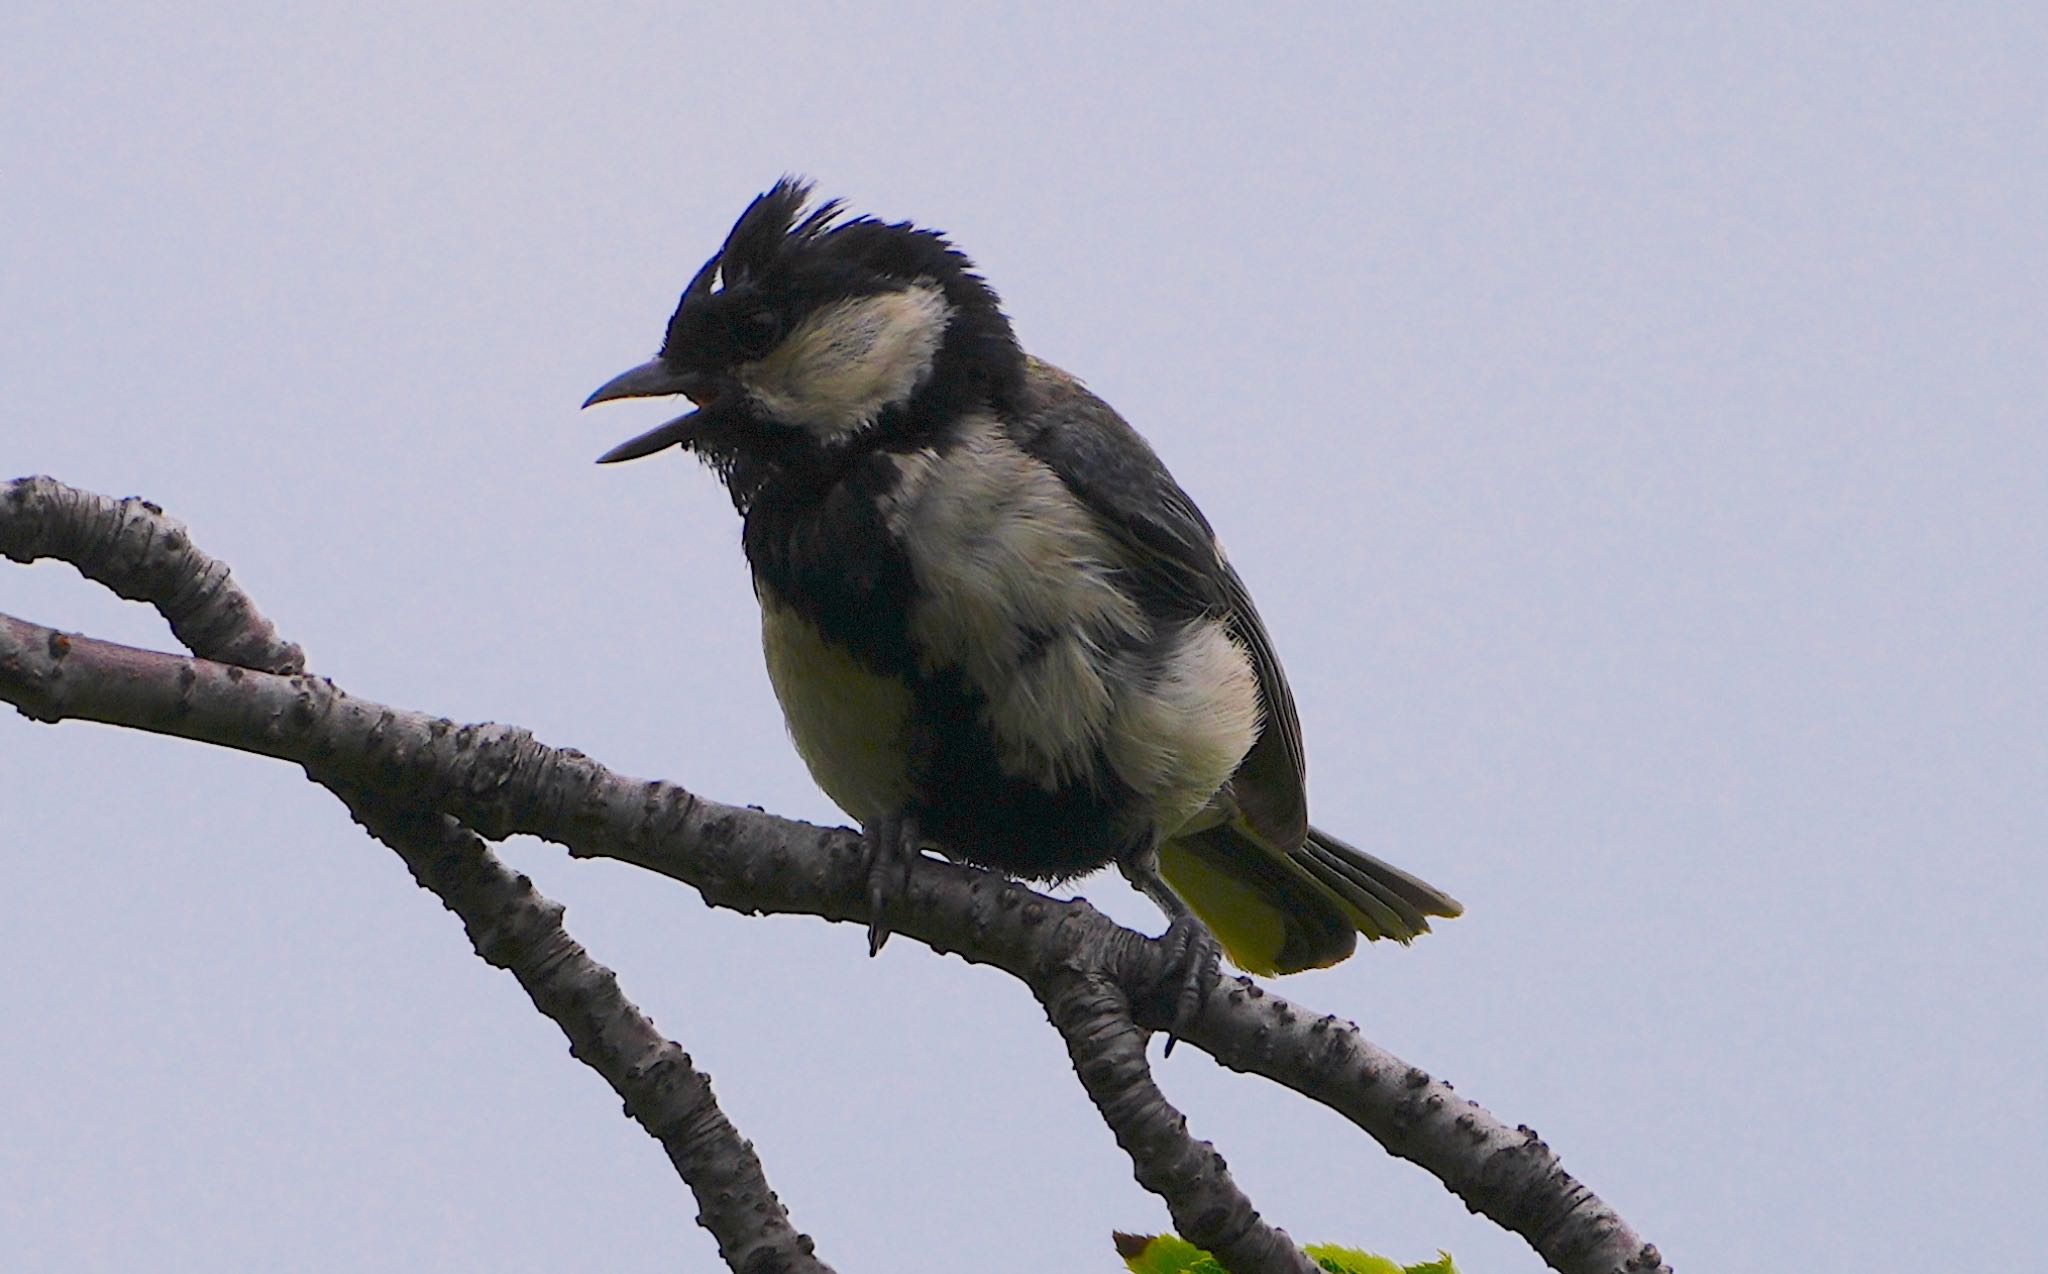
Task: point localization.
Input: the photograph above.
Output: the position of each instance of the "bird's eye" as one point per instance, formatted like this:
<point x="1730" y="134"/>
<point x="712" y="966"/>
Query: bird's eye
<point x="757" y="332"/>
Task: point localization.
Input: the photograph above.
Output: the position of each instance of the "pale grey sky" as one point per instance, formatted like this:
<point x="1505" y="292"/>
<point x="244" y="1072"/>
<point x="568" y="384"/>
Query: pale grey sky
<point x="1630" y="419"/>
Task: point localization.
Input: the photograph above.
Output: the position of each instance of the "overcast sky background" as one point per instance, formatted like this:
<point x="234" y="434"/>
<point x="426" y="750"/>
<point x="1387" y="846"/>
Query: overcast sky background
<point x="1630" y="419"/>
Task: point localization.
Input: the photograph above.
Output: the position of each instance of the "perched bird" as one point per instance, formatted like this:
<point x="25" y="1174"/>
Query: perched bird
<point x="996" y="625"/>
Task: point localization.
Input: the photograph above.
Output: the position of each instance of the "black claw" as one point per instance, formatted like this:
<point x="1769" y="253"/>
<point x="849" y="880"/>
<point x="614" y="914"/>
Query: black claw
<point x="1193" y="967"/>
<point x="878" y="928"/>
<point x="891" y="843"/>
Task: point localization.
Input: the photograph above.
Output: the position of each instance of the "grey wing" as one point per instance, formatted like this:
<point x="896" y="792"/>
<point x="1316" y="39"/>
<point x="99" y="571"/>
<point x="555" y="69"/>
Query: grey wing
<point x="1272" y="784"/>
<point x="1179" y="571"/>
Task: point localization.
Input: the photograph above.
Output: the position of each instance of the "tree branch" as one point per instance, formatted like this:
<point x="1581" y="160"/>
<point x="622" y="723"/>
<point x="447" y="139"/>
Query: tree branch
<point x="513" y="927"/>
<point x="1108" y="1051"/>
<point x="499" y="780"/>
<point x="132" y="548"/>
<point x="144" y="555"/>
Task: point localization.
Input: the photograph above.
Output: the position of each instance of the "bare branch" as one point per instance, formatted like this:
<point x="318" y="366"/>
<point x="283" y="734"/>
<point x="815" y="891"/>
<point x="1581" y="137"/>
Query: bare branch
<point x="514" y="928"/>
<point x="499" y="780"/>
<point x="140" y="553"/>
<point x="1108" y="1050"/>
<point x="1506" y="1174"/>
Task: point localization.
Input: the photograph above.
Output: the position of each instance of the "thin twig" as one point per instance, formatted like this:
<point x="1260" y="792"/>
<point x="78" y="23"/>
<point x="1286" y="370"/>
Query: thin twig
<point x="143" y="554"/>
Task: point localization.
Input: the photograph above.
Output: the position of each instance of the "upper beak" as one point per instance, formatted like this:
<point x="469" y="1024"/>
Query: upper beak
<point x="654" y="379"/>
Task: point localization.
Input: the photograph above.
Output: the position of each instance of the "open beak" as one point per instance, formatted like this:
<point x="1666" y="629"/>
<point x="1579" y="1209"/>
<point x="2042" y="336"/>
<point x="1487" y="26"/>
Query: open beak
<point x="656" y="379"/>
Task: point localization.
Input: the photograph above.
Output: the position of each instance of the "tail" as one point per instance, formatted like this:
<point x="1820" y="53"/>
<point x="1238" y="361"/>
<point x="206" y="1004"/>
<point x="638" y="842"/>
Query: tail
<point x="1280" y="912"/>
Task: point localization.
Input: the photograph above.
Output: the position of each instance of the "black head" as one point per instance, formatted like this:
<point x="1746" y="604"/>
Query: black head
<point x="807" y="329"/>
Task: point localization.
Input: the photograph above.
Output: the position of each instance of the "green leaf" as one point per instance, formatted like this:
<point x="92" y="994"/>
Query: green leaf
<point x="1164" y="1254"/>
<point x="1171" y="1254"/>
<point x="1350" y="1260"/>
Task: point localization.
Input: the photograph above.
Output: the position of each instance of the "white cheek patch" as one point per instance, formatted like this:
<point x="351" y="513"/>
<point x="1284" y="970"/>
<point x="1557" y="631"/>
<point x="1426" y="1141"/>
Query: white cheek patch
<point x="840" y="367"/>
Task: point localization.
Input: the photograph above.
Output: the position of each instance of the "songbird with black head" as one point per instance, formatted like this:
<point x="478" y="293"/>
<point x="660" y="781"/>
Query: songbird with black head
<point x="997" y="626"/>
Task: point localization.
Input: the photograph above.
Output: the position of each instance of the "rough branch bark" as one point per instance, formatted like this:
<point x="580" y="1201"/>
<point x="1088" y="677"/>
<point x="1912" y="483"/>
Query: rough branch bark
<point x="1108" y="1050"/>
<point x="140" y="554"/>
<point x="515" y="928"/>
<point x="498" y="780"/>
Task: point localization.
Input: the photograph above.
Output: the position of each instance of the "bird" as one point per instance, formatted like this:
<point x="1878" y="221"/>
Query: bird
<point x="997" y="627"/>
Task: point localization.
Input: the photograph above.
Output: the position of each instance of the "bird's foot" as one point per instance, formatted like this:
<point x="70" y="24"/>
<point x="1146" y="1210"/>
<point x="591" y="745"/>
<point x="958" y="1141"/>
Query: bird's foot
<point x="1191" y="969"/>
<point x="1193" y="962"/>
<point x="893" y="844"/>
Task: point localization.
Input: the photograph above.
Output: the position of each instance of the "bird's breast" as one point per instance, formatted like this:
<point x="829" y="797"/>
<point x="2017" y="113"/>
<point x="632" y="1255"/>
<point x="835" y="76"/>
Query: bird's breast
<point x="850" y="723"/>
<point x="952" y="629"/>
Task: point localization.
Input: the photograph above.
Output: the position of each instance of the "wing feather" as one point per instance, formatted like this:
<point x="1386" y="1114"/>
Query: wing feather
<point x="1180" y="572"/>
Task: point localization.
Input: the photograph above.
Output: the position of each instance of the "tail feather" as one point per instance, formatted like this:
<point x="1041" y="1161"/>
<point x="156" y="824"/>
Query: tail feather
<point x="1410" y="899"/>
<point x="1281" y="913"/>
<point x="1270" y="916"/>
<point x="1303" y="910"/>
<point x="1373" y="912"/>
